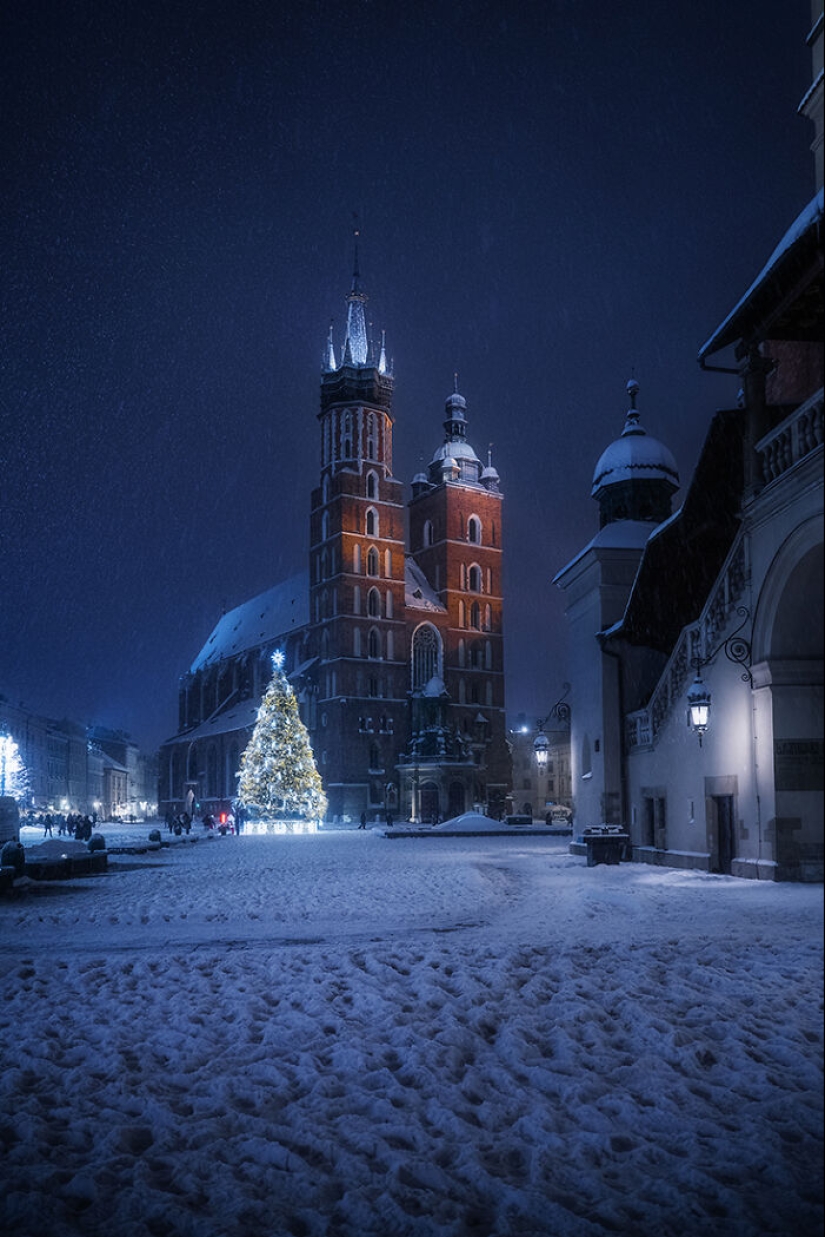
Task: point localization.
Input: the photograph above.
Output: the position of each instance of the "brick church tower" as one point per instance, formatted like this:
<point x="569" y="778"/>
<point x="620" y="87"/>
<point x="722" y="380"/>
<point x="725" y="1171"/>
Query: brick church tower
<point x="457" y="715"/>
<point x="357" y="576"/>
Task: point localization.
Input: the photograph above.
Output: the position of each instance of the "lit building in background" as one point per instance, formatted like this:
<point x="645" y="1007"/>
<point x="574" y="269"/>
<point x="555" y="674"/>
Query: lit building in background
<point x="395" y="651"/>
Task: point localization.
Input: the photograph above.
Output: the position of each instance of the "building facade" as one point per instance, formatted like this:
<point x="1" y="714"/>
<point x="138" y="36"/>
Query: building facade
<point x="395" y="651"/>
<point x="718" y="605"/>
<point x="72" y="768"/>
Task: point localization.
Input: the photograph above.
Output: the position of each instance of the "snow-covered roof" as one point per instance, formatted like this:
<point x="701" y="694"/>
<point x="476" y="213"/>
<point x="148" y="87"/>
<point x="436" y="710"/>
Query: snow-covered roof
<point x="241" y="717"/>
<point x="618" y="535"/>
<point x="635" y="456"/>
<point x="278" y="611"/>
<point x="728" y="331"/>
<point x="418" y="592"/>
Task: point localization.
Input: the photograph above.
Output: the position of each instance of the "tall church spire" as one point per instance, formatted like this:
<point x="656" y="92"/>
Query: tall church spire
<point x="355" y="341"/>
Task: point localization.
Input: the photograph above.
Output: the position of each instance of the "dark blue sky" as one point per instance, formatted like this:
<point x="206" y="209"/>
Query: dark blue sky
<point x="551" y="196"/>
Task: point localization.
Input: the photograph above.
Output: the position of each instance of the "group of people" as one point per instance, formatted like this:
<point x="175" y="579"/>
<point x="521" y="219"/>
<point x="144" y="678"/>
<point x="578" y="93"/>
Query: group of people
<point x="182" y="823"/>
<point x="75" y="825"/>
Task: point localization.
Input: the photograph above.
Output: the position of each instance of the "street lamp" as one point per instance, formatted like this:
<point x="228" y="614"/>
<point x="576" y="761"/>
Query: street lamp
<point x="737" y="650"/>
<point x="561" y="712"/>
<point x="698" y="698"/>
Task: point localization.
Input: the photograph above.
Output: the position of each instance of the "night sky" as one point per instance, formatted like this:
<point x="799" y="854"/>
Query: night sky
<point x="552" y="197"/>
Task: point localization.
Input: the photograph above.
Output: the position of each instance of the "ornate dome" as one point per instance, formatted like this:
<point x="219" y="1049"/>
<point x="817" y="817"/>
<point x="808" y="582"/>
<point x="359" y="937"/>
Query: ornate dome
<point x="634" y="456"/>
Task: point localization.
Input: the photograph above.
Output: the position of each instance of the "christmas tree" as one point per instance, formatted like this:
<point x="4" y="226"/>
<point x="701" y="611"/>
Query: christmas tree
<point x="14" y="778"/>
<point x="278" y="777"/>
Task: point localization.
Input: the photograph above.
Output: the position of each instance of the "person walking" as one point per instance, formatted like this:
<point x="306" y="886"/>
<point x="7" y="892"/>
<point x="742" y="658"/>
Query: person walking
<point x="363" y="824"/>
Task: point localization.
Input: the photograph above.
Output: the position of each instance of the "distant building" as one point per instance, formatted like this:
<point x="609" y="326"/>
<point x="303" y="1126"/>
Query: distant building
<point x="395" y="650"/>
<point x="721" y="601"/>
<point x="72" y="769"/>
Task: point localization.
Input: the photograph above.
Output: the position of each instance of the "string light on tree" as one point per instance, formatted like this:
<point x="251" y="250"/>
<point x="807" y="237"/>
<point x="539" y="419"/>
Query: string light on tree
<point x="278" y="779"/>
<point x="13" y="776"/>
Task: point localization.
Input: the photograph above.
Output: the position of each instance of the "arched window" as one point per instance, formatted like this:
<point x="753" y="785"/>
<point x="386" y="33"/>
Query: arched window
<point x="373" y="644"/>
<point x="356" y="642"/>
<point x="372" y="485"/>
<point x="356" y="599"/>
<point x="474" y="530"/>
<point x="372" y="522"/>
<point x="475" y="615"/>
<point x="372" y="436"/>
<point x="426" y="655"/>
<point x="347" y="435"/>
<point x="428" y="533"/>
<point x="488" y="618"/>
<point x="474" y="578"/>
<point x="374" y="603"/>
<point x="356" y="560"/>
<point x="372" y="561"/>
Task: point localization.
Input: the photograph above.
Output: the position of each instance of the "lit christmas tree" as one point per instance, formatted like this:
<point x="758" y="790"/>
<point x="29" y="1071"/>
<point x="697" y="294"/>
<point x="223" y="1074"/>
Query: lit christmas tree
<point x="278" y="778"/>
<point x="14" y="778"/>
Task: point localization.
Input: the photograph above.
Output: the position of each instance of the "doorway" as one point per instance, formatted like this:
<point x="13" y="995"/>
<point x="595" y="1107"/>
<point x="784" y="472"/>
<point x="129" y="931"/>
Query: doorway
<point x="725" y="840"/>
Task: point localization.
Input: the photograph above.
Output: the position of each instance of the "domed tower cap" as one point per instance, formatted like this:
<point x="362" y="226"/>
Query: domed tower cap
<point x="635" y="477"/>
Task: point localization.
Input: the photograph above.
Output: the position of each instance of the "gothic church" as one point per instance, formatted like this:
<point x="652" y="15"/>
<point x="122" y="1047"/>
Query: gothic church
<point x="395" y="651"/>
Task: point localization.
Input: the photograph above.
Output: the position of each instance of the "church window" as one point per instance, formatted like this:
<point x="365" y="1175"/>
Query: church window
<point x="462" y="653"/>
<point x="474" y="578"/>
<point x="475" y="615"/>
<point x="429" y="533"/>
<point x="356" y="560"/>
<point x="347" y="447"/>
<point x="474" y="693"/>
<point x="390" y="646"/>
<point x="373" y="643"/>
<point x="488" y="618"/>
<point x="426" y="655"/>
<point x="372" y="686"/>
<point x="372" y="436"/>
<point x="375" y="757"/>
<point x="374" y="603"/>
<point x="372" y="561"/>
<point x="356" y="642"/>
<point x="389" y="603"/>
<point x="356" y="599"/>
<point x="372" y="522"/>
<point x="372" y="485"/>
<point x="474" y="530"/>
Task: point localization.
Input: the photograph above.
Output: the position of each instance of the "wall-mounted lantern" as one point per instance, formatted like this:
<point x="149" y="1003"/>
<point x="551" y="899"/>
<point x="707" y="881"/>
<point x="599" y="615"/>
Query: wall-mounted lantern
<point x="737" y="650"/>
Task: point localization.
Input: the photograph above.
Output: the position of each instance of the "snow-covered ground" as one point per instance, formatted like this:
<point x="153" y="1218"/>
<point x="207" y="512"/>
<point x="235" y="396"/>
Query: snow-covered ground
<point x="337" y="1034"/>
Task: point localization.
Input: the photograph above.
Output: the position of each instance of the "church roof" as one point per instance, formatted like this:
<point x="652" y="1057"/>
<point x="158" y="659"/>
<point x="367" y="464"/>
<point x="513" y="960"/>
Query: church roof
<point x="275" y="613"/>
<point x="418" y="592"/>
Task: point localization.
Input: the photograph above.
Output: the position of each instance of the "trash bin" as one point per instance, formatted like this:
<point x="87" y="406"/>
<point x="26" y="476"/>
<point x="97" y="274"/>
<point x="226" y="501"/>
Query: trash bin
<point x="605" y="846"/>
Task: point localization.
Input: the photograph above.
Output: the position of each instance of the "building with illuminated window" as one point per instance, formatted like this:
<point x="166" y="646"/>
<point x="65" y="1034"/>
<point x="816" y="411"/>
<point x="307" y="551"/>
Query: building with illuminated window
<point x="697" y="708"/>
<point x="395" y="650"/>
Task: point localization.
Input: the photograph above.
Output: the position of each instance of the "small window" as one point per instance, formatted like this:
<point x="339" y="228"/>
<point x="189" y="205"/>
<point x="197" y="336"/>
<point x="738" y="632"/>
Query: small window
<point x="372" y="561"/>
<point x="474" y="579"/>
<point x="372" y="522"/>
<point x="373" y="643"/>
<point x="374" y="603"/>
<point x="372" y="485"/>
<point x="474" y="530"/>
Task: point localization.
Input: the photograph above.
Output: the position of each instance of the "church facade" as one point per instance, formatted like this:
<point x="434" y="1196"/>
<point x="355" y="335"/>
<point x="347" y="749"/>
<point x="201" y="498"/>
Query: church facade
<point x="393" y="647"/>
